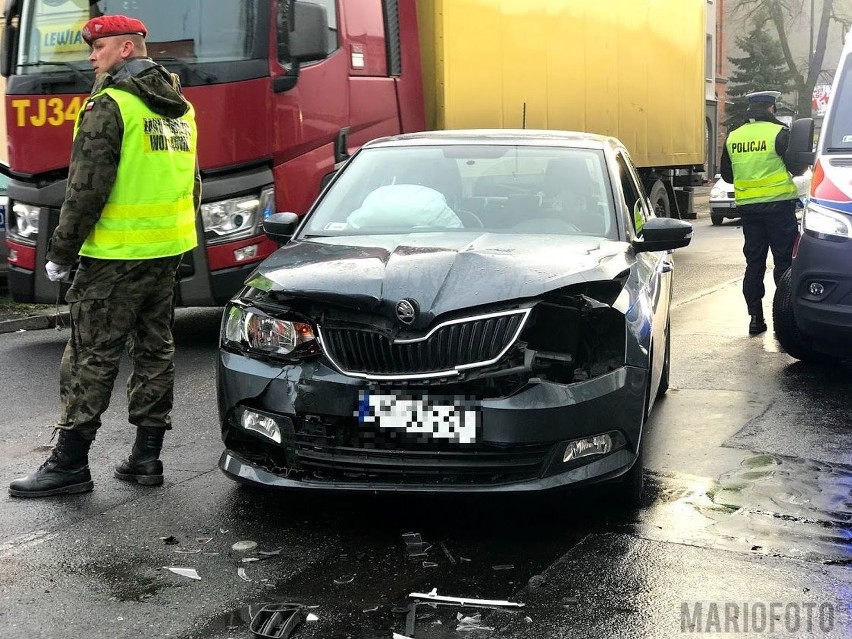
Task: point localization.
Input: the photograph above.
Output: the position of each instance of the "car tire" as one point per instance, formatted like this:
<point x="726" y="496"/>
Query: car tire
<point x="667" y="358"/>
<point x="660" y="199"/>
<point x="716" y="219"/>
<point x="793" y="341"/>
<point x="627" y="490"/>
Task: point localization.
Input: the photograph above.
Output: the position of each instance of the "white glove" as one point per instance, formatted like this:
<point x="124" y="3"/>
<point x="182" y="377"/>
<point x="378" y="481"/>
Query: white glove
<point x="56" y="272"/>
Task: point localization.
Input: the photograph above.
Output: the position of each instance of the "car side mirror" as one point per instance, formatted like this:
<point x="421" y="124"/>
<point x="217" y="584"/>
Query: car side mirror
<point x="279" y="227"/>
<point x="663" y="234"/>
<point x="800" y="154"/>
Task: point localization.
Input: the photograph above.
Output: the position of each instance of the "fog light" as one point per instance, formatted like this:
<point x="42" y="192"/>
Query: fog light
<point x="245" y="253"/>
<point x="261" y="424"/>
<point x="597" y="445"/>
<point x="816" y="289"/>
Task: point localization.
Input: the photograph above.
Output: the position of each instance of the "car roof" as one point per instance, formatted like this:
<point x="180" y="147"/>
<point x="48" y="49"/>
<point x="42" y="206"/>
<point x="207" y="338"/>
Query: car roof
<point x="522" y="137"/>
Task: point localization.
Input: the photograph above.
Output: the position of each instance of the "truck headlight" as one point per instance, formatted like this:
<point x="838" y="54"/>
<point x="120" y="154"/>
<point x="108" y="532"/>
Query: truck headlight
<point x="24" y="222"/>
<point x="236" y="217"/>
<point x="825" y="223"/>
<point x="253" y="331"/>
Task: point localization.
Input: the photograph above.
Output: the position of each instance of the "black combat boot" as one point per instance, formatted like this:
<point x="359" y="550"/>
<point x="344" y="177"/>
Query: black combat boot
<point x="757" y="324"/>
<point x="66" y="471"/>
<point x="144" y="465"/>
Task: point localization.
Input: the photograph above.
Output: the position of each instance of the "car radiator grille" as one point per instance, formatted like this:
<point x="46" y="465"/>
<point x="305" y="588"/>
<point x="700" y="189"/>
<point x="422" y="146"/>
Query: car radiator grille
<point x="467" y="343"/>
<point x="438" y="467"/>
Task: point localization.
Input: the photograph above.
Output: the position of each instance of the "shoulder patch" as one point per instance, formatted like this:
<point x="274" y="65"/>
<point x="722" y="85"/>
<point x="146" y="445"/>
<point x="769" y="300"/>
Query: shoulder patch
<point x="90" y="105"/>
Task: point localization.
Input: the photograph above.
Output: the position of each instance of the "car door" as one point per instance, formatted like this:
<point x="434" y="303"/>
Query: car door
<point x="655" y="268"/>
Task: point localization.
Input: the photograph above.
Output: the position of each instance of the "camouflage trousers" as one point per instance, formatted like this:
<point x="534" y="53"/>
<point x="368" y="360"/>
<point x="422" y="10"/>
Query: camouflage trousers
<point x="117" y="305"/>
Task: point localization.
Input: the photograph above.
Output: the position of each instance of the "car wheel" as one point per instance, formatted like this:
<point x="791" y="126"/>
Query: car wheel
<point x="628" y="489"/>
<point x="664" y="376"/>
<point x="660" y="199"/>
<point x="792" y="340"/>
<point x="716" y="218"/>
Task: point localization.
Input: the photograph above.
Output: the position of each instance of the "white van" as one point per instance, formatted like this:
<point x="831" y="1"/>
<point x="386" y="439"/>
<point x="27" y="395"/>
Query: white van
<point x="812" y="307"/>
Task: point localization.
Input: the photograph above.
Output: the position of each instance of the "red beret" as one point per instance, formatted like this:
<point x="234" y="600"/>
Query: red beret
<point x="106" y="26"/>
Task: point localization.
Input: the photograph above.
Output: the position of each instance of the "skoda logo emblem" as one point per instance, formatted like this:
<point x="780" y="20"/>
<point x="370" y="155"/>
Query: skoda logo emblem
<point x="406" y="311"/>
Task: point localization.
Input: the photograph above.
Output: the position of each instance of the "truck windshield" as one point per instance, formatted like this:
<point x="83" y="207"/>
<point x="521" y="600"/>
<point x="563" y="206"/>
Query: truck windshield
<point x="204" y="41"/>
<point x="839" y="131"/>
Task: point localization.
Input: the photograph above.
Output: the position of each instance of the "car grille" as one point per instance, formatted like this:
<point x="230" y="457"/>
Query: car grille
<point x="451" y="346"/>
<point x="437" y="467"/>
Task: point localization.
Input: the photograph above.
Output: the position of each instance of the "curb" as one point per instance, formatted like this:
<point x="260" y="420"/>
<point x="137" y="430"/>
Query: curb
<point x="35" y="322"/>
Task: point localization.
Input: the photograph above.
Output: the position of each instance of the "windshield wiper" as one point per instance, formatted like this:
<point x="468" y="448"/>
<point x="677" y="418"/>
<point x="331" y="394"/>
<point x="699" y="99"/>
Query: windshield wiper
<point x="66" y="65"/>
<point x="207" y="78"/>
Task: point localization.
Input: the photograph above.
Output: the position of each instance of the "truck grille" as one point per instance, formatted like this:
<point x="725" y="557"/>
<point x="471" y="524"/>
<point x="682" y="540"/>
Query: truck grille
<point x="450" y="347"/>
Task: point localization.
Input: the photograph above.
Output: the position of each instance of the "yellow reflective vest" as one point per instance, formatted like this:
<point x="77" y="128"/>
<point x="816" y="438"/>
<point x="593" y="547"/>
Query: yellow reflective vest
<point x="150" y="211"/>
<point x="759" y="172"/>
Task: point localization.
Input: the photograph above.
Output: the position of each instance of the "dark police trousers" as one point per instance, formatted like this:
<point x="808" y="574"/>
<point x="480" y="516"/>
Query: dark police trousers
<point x="766" y="226"/>
<point x="116" y="305"/>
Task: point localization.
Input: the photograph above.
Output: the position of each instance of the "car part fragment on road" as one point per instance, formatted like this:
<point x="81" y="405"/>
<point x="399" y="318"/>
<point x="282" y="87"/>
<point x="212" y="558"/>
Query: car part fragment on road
<point x="191" y="573"/>
<point x="433" y="597"/>
<point x="244" y="546"/>
<point x="415" y="548"/>
<point x="471" y="623"/>
<point x="241" y="573"/>
<point x="277" y="621"/>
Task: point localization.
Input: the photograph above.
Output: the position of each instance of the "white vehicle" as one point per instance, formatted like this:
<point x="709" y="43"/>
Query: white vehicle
<point x="722" y="203"/>
<point x="812" y="307"/>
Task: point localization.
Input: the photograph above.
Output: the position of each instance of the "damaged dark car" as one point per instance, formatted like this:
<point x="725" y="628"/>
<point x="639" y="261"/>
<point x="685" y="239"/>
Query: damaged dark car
<point x="469" y="311"/>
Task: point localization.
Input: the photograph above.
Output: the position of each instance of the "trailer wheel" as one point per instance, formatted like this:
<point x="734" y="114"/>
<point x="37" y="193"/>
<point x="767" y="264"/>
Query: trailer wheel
<point x="792" y="340"/>
<point x="660" y="199"/>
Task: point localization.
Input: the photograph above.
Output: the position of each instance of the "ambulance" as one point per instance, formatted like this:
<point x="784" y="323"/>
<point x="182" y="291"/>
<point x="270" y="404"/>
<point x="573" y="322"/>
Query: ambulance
<point x="812" y="306"/>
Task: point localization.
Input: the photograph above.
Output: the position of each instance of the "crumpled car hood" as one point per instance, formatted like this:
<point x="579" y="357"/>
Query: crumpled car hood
<point x="441" y="271"/>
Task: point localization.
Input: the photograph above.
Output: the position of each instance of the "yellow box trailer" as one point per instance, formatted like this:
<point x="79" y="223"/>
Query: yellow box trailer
<point x="632" y="69"/>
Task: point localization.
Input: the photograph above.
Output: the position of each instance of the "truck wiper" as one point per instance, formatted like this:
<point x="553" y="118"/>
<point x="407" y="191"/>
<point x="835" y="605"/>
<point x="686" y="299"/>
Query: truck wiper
<point x="82" y="76"/>
<point x="206" y="78"/>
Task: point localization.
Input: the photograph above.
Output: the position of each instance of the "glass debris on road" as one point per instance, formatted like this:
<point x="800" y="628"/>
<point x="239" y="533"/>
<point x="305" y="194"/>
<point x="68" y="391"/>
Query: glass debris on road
<point x="190" y="573"/>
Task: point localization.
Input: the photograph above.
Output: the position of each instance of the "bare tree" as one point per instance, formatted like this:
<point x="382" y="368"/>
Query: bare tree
<point x="783" y="15"/>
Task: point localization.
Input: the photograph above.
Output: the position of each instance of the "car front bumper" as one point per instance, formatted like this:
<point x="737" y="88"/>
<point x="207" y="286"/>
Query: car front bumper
<point x="520" y="443"/>
<point x="826" y="319"/>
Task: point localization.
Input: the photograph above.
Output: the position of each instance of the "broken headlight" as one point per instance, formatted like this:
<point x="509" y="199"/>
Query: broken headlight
<point x="253" y="331"/>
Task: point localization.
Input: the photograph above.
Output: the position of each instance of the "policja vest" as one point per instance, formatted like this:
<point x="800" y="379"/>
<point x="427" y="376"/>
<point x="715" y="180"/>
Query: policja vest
<point x="759" y="172"/>
<point x="150" y="211"/>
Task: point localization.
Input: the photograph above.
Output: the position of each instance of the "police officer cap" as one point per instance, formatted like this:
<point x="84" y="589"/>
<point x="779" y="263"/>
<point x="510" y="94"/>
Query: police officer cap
<point x="105" y="26"/>
<point x="764" y="96"/>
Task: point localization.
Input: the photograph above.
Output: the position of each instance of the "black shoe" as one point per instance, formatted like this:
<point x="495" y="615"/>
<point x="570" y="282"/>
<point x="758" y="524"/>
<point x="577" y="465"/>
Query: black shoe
<point x="65" y="472"/>
<point x="757" y="325"/>
<point x="144" y="466"/>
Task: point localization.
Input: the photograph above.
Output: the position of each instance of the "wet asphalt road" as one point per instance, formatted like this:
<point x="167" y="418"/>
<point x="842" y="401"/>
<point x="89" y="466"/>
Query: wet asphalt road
<point x="749" y="502"/>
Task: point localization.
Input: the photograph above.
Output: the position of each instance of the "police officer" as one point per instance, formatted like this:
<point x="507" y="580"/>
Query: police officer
<point x="753" y="160"/>
<point x="129" y="214"/>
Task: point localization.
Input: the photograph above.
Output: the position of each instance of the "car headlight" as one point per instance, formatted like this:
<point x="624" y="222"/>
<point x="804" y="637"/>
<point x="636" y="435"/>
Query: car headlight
<point x="24" y="222"/>
<point x="822" y="221"/>
<point x="717" y="193"/>
<point x="236" y="217"/>
<point x="251" y="330"/>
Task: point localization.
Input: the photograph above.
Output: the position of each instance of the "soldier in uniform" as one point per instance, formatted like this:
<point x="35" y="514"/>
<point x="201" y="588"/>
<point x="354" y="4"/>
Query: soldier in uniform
<point x="128" y="216"/>
<point x="753" y="161"/>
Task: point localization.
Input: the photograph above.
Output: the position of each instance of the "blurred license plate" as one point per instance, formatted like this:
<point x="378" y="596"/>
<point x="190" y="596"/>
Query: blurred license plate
<point x="454" y="419"/>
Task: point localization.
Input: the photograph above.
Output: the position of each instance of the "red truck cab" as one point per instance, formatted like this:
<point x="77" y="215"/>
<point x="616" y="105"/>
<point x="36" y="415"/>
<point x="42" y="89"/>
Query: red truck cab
<point x="283" y="91"/>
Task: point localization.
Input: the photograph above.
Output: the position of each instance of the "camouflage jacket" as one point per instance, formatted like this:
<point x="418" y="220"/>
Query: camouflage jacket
<point x="96" y="150"/>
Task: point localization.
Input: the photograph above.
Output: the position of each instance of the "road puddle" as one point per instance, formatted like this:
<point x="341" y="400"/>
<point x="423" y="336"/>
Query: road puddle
<point x="771" y="505"/>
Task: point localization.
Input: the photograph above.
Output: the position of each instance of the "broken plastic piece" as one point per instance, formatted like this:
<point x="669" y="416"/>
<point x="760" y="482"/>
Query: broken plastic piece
<point x="204" y="540"/>
<point x="415" y="547"/>
<point x="184" y="572"/>
<point x="311" y="617"/>
<point x="244" y="546"/>
<point x="430" y="564"/>
<point x="241" y="573"/>
<point x="183" y="551"/>
<point x="504" y="567"/>
<point x="171" y="540"/>
<point x="471" y="623"/>
<point x="277" y="621"/>
<point x="345" y="579"/>
<point x="396" y="635"/>
<point x="248" y="560"/>
<point x="447" y="552"/>
<point x="269" y="553"/>
<point x="433" y="596"/>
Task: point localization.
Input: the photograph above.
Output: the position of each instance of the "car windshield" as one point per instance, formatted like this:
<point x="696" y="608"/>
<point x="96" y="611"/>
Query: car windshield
<point x="455" y="188"/>
<point x="181" y="32"/>
<point x="839" y="124"/>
